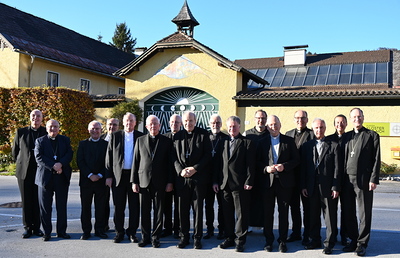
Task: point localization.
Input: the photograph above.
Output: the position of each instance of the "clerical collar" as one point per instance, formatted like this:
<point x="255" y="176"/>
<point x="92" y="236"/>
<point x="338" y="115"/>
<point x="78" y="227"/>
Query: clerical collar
<point x="34" y="129"/>
<point x="358" y="130"/>
<point x="301" y="130"/>
<point x="189" y="132"/>
<point x="52" y="138"/>
<point x="153" y="136"/>
<point x="275" y="137"/>
<point x="93" y="140"/>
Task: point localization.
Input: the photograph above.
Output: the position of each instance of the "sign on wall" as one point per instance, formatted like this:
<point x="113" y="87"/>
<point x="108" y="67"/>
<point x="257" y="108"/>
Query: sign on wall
<point x="384" y="129"/>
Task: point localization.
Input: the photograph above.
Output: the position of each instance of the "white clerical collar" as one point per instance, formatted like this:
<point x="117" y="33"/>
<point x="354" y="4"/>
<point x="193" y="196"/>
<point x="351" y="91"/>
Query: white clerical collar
<point x="93" y="140"/>
<point x="275" y="137"/>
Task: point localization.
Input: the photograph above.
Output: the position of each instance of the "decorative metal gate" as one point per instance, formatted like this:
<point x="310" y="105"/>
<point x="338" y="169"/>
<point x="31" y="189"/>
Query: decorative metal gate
<point x="178" y="101"/>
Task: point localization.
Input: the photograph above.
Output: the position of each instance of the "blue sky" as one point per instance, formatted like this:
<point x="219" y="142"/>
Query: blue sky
<point x="236" y="29"/>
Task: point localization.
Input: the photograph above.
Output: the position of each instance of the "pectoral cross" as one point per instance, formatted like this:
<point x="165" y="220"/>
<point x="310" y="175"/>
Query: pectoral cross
<point x="55" y="157"/>
<point x="213" y="153"/>
<point x="187" y="154"/>
<point x="351" y="154"/>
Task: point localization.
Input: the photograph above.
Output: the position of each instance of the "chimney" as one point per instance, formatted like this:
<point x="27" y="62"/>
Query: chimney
<point x="295" y="55"/>
<point x="139" y="50"/>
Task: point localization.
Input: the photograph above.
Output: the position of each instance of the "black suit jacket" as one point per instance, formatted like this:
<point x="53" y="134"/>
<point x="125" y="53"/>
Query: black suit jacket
<point x="288" y="155"/>
<point x="368" y="157"/>
<point x="199" y="158"/>
<point x="238" y="168"/>
<point x="115" y="155"/>
<point x="45" y="159"/>
<point x="329" y="169"/>
<point x="308" y="134"/>
<point x="22" y="149"/>
<point x="91" y="157"/>
<point x="157" y="170"/>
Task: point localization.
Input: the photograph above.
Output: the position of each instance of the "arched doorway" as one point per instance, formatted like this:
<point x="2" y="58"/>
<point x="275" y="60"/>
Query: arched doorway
<point x="178" y="101"/>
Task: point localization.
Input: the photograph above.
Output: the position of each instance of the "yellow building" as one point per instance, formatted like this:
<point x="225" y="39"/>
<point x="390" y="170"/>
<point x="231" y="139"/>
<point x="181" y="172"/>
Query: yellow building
<point x="36" y="52"/>
<point x="178" y="74"/>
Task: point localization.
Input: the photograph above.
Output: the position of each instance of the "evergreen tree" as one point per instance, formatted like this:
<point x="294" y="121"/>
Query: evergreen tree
<point x="122" y="38"/>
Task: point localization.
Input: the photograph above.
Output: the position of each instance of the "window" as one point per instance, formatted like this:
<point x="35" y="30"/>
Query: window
<point x="121" y="91"/>
<point x="85" y="85"/>
<point x="52" y="79"/>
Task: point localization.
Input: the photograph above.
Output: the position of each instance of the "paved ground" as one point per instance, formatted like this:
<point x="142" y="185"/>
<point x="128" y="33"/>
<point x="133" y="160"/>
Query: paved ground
<point x="384" y="238"/>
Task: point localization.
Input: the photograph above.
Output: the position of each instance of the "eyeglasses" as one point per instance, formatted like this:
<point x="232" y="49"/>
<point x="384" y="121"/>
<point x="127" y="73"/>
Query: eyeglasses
<point x="262" y="118"/>
<point x="298" y="118"/>
<point x="215" y="123"/>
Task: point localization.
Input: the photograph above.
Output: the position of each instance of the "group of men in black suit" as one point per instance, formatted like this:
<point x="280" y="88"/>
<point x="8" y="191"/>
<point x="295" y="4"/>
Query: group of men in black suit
<point x="246" y="172"/>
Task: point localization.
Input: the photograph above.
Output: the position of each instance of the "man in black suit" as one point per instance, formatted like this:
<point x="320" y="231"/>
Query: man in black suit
<point x="175" y="123"/>
<point x="257" y="133"/>
<point x="152" y="176"/>
<point x="235" y="179"/>
<point x="340" y="124"/>
<point x="301" y="134"/>
<point x="362" y="162"/>
<point x="91" y="162"/>
<point x="53" y="153"/>
<point x="277" y="157"/>
<point x="216" y="137"/>
<point x="22" y="151"/>
<point x="119" y="160"/>
<point x="192" y="148"/>
<point x="112" y="126"/>
<point x="321" y="171"/>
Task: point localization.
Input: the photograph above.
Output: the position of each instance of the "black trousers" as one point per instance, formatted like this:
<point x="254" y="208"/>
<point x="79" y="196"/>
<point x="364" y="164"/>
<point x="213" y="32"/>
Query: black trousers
<point x="57" y="185"/>
<point x="121" y="194"/>
<point x="171" y="207"/>
<point x="282" y="195"/>
<point x="355" y="197"/>
<point x="151" y="197"/>
<point x="209" y="210"/>
<point x="328" y="206"/>
<point x="96" y="191"/>
<point x="30" y="200"/>
<point x="295" y="212"/>
<point x="191" y="194"/>
<point x="236" y="202"/>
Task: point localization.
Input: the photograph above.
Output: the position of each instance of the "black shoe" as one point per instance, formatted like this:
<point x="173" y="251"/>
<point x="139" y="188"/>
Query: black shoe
<point x="133" y="239"/>
<point x="85" y="236"/>
<point x="156" y="243"/>
<point x="239" y="248"/>
<point x="268" y="247"/>
<point x="227" y="243"/>
<point x="183" y="243"/>
<point x="38" y="232"/>
<point x="166" y="233"/>
<point x="351" y="247"/>
<point x="118" y="238"/>
<point x="305" y="241"/>
<point x="27" y="233"/>
<point x="208" y="235"/>
<point x="361" y="250"/>
<point x="293" y="238"/>
<point x="176" y="235"/>
<point x="46" y="237"/>
<point x="143" y="243"/>
<point x="327" y="250"/>
<point x="220" y="235"/>
<point x="344" y="242"/>
<point x="64" y="235"/>
<point x="101" y="235"/>
<point x="313" y="245"/>
<point x="282" y="247"/>
<point x="106" y="228"/>
<point x="197" y="244"/>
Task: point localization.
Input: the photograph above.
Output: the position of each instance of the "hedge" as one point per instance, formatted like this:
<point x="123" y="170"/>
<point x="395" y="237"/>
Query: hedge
<point x="71" y="108"/>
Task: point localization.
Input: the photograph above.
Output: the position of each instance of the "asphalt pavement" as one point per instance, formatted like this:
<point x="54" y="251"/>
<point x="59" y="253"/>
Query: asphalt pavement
<point x="384" y="237"/>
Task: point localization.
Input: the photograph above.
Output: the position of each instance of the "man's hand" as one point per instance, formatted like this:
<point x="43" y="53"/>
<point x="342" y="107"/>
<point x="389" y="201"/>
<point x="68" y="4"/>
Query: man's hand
<point x="304" y="192"/>
<point x="188" y="172"/>
<point x="109" y="182"/>
<point x="335" y="194"/>
<point x="135" y="188"/>
<point x="215" y="188"/>
<point x="372" y="186"/>
<point x="169" y="187"/>
<point x="94" y="178"/>
<point x="248" y="187"/>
